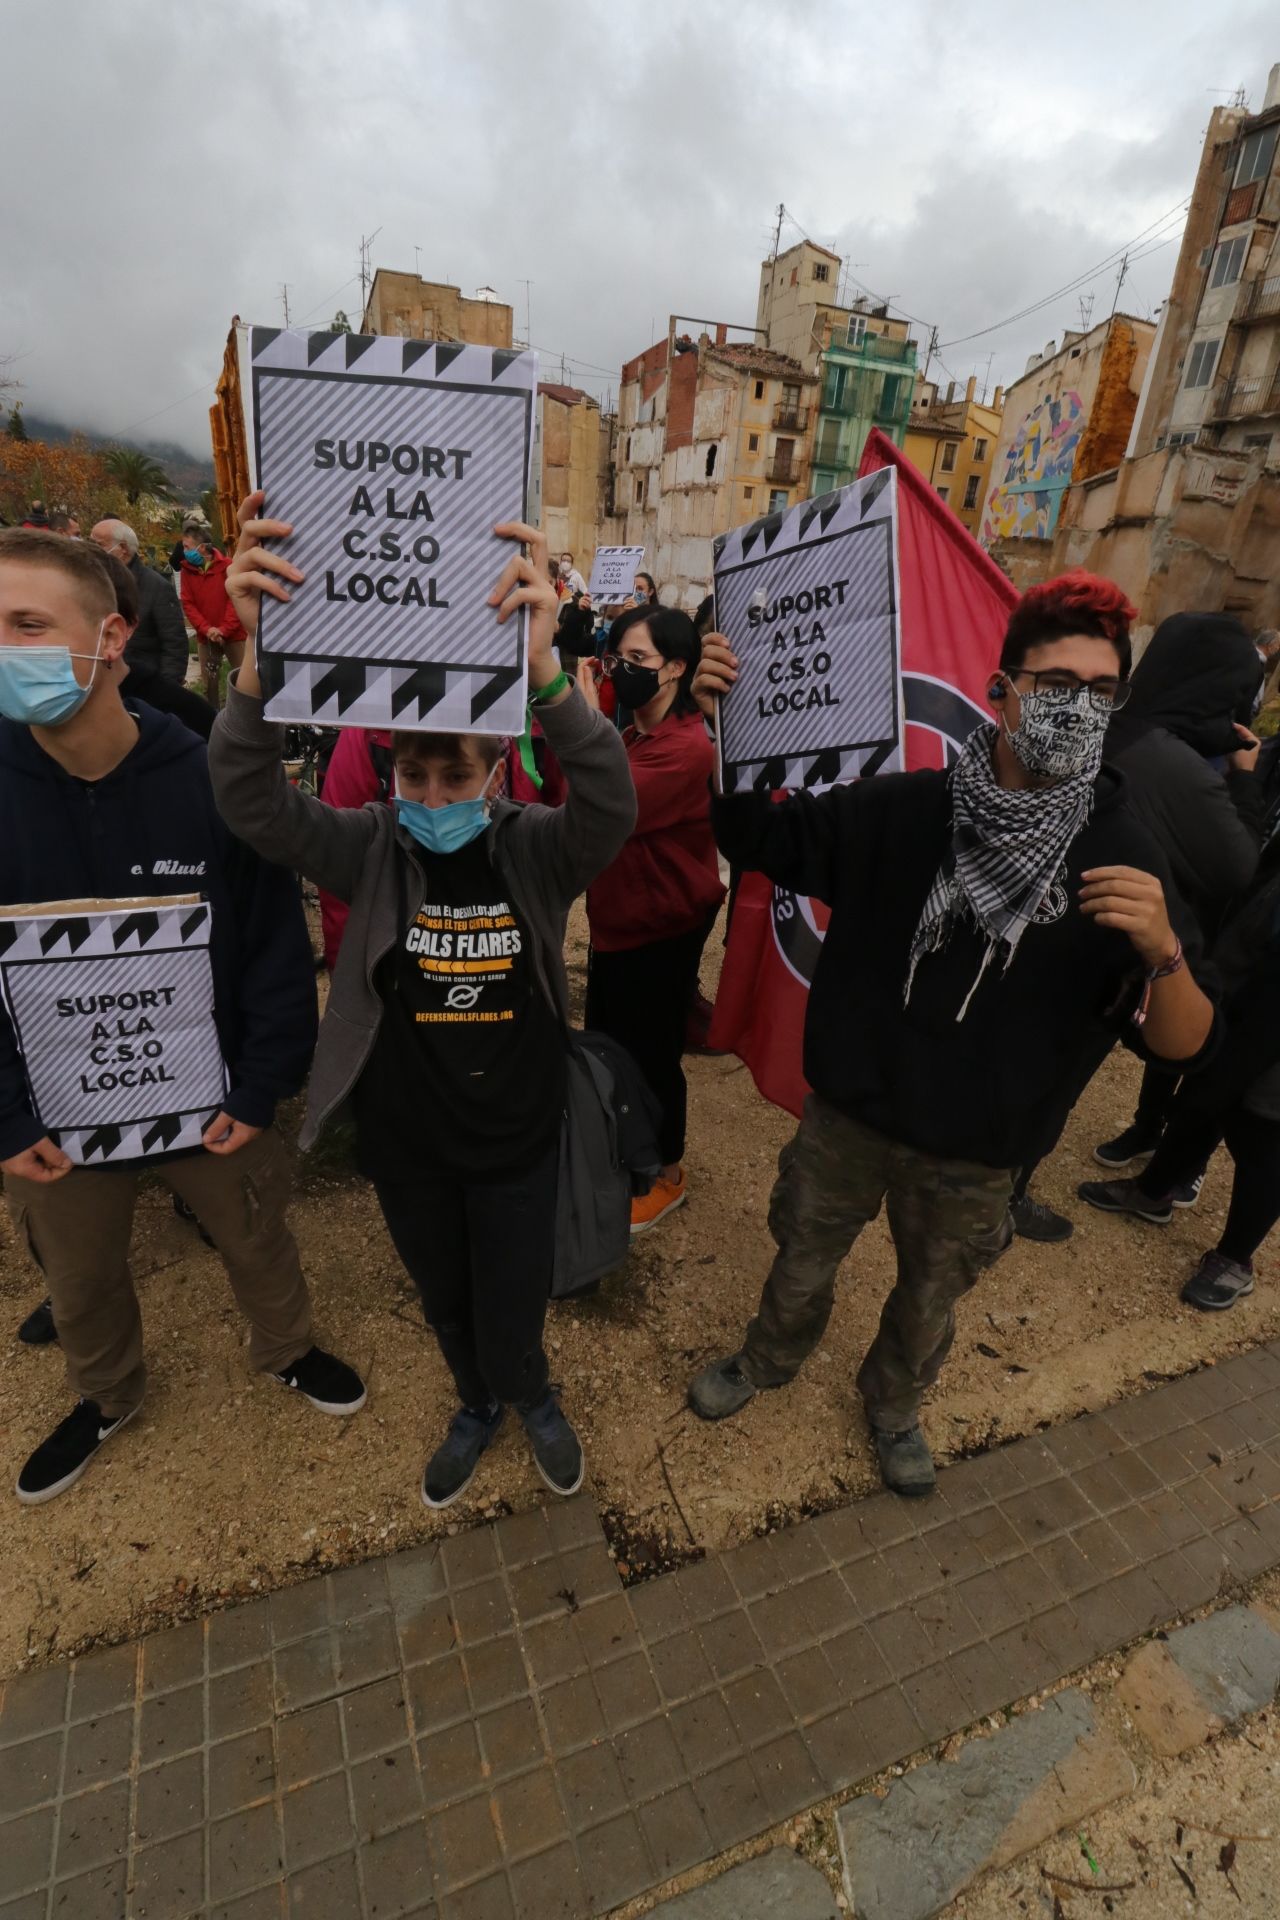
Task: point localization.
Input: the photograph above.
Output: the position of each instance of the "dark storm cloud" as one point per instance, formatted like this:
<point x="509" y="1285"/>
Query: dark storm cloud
<point x="168" y="167"/>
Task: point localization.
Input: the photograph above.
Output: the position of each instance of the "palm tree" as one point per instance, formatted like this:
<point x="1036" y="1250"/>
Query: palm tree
<point x="137" y="473"/>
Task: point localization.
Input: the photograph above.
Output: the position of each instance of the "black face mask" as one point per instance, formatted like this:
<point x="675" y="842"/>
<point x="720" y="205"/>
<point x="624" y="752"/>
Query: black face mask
<point x="637" y="686"/>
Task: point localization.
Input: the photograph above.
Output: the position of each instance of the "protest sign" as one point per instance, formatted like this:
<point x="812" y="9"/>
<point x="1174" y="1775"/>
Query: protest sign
<point x="111" y="1004"/>
<point x="613" y="574"/>
<point x="393" y="459"/>
<point x="808" y="599"/>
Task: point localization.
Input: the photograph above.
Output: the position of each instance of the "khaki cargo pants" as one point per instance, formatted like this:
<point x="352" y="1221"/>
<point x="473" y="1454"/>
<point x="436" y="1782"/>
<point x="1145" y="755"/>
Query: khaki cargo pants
<point x="949" y="1220"/>
<point x="77" y="1230"/>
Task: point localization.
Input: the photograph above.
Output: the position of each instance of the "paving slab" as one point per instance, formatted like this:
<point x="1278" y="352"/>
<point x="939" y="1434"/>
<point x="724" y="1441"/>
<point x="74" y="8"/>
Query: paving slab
<point x="908" y="1855"/>
<point x="777" y="1886"/>
<point x="1181" y="1689"/>
<point x="493" y="1725"/>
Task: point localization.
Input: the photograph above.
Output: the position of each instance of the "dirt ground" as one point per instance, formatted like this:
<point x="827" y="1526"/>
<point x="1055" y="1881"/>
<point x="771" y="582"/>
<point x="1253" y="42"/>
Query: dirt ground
<point x="1200" y="1835"/>
<point x="225" y="1486"/>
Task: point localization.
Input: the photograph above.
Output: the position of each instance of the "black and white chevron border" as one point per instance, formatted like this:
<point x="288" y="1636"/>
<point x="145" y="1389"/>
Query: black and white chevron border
<point x="133" y="1140"/>
<point x="862" y="501"/>
<point x="383" y="354"/>
<point x="104" y="934"/>
<point x="355" y="693"/>
<point x="828" y="769"/>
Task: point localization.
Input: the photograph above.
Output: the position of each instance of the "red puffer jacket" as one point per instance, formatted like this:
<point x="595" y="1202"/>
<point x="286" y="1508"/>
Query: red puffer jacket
<point x="205" y="600"/>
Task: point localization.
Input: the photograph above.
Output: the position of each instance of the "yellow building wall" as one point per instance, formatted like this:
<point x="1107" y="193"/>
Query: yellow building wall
<point x="420" y="309"/>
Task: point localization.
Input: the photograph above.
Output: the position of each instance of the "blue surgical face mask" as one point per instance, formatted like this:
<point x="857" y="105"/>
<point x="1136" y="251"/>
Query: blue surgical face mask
<point x="38" y="685"/>
<point x="639" y="595"/>
<point x="445" y="829"/>
<point x="194" y="555"/>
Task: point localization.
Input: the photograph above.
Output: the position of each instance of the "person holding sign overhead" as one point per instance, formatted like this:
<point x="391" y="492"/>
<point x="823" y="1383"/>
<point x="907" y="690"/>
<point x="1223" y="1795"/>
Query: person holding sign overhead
<point x="117" y="814"/>
<point x="651" y="911"/>
<point x="988" y="924"/>
<point x="446" y="1022"/>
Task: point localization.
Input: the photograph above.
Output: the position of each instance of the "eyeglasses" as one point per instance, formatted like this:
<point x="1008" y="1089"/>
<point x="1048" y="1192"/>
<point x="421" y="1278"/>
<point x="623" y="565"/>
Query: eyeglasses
<point x="610" y="662"/>
<point x="1108" y="695"/>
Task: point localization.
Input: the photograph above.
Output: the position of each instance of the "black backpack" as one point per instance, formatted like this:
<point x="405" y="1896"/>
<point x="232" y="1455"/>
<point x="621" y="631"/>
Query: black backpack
<point x="608" y="1153"/>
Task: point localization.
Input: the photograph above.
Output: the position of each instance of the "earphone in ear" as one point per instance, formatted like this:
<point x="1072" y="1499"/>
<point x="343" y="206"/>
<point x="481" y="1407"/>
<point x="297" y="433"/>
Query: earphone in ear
<point x="996" y="691"/>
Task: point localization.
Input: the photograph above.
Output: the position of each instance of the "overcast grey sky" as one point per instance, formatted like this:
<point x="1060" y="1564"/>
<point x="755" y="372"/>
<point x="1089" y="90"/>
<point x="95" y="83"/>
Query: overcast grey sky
<point x="169" y="166"/>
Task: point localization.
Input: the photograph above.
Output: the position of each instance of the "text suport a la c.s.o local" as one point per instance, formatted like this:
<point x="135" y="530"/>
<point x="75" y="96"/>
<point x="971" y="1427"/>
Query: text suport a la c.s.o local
<point x="799" y="661"/>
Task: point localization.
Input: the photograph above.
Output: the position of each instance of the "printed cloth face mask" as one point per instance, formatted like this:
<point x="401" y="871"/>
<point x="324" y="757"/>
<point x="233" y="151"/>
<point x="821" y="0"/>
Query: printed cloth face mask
<point x="1059" y="734"/>
<point x="445" y="829"/>
<point x="38" y="685"/>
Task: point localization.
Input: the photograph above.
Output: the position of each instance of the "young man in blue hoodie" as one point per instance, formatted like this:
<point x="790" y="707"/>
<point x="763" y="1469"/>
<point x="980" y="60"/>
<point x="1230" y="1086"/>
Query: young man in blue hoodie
<point x="102" y="801"/>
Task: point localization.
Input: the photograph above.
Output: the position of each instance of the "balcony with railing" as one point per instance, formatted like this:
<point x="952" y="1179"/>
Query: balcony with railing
<point x="790" y="419"/>
<point x="1244" y="396"/>
<point x="783" y="470"/>
<point x="1263" y="302"/>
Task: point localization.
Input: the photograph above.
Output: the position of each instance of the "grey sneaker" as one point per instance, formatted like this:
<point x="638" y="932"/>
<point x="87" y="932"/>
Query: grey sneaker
<point x="1217" y="1283"/>
<point x="906" y="1464"/>
<point x="1033" y="1220"/>
<point x="721" y="1389"/>
<point x="557" y="1450"/>
<point x="452" y="1467"/>
<point x="1126" y="1196"/>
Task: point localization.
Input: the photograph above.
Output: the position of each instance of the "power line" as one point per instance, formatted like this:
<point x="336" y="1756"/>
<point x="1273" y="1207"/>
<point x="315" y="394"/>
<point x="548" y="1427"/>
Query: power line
<point x="1082" y="279"/>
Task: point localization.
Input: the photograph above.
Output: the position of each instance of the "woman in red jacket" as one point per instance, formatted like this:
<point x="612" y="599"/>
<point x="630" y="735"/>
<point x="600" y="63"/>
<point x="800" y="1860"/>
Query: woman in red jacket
<point x="202" y="589"/>
<point x="650" y="911"/>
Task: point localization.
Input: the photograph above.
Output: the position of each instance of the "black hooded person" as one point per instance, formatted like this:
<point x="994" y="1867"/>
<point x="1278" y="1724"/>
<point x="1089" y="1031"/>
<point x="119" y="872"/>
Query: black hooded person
<point x="1184" y="747"/>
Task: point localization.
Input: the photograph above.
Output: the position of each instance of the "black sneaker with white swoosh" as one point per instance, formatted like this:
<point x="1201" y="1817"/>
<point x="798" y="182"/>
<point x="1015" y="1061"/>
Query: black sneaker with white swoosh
<point x="326" y="1382"/>
<point x="58" y="1462"/>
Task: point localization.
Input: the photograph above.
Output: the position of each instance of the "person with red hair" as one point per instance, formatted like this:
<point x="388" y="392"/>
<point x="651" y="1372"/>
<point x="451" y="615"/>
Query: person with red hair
<point x="989" y="925"/>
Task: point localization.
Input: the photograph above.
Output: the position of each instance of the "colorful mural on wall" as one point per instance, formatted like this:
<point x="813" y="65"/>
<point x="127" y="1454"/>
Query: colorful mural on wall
<point x="1025" y="499"/>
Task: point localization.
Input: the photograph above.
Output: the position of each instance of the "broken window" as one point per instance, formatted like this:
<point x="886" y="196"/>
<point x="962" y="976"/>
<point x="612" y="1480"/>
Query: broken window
<point x="711" y="459"/>
<point x="821" y="271"/>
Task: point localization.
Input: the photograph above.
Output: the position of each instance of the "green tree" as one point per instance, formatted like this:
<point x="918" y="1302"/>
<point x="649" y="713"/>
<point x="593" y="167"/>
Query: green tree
<point x="341" y="324"/>
<point x="16" y="428"/>
<point x="137" y="473"/>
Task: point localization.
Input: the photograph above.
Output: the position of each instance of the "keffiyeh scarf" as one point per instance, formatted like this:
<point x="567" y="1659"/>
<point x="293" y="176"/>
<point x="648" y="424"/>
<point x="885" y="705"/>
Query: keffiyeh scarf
<point x="1009" y="846"/>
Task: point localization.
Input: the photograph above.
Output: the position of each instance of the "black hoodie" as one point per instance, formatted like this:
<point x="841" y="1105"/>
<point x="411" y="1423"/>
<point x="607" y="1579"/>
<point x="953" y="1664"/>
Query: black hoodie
<point x="986" y="1088"/>
<point x="1199" y="674"/>
<point x="151" y="827"/>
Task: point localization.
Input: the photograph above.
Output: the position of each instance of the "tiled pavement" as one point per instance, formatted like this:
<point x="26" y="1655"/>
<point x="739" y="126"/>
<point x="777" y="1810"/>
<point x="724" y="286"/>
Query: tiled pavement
<point x="494" y="1728"/>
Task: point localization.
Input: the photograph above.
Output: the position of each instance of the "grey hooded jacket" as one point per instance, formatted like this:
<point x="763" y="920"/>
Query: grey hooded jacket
<point x="546" y="857"/>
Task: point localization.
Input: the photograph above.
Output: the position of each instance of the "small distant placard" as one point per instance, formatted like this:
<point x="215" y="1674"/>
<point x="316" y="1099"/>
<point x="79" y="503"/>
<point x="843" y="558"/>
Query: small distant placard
<point x="393" y="459"/>
<point x="112" y="1010"/>
<point x="808" y="600"/>
<point x="613" y="573"/>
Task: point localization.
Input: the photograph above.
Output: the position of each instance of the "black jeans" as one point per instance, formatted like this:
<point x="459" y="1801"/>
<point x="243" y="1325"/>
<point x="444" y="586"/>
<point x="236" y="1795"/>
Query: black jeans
<point x="640" y="998"/>
<point x="481" y="1257"/>
<point x="1193" y="1134"/>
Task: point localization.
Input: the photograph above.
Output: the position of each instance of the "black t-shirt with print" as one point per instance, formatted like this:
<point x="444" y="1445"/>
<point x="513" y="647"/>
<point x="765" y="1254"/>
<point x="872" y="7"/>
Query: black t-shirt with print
<point x="467" y="1075"/>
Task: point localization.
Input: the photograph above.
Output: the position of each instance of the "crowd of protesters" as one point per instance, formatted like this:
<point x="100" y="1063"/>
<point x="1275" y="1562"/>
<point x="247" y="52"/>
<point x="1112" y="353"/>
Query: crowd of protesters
<point x="1101" y="865"/>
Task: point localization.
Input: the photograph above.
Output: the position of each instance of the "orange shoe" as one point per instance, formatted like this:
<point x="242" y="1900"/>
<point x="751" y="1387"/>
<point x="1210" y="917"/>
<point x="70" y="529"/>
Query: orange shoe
<point x="663" y="1197"/>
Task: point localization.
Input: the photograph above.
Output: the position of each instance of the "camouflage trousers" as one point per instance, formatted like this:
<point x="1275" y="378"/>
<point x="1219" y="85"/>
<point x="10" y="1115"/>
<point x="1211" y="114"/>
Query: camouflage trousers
<point x="949" y="1220"/>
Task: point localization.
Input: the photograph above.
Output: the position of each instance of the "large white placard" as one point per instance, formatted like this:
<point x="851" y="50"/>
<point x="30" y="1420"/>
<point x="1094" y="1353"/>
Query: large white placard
<point x="393" y="459"/>
<point x="613" y="573"/>
<point x="112" y="1010"/>
<point x="808" y="599"/>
